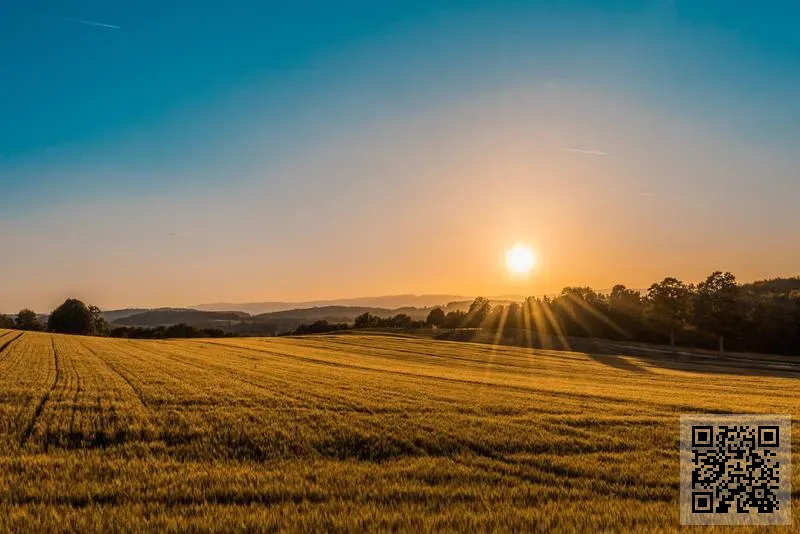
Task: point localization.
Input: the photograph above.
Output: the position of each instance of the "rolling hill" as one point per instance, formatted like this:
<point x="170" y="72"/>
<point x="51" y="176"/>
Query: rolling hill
<point x="388" y="301"/>
<point x="354" y="433"/>
<point x="166" y="317"/>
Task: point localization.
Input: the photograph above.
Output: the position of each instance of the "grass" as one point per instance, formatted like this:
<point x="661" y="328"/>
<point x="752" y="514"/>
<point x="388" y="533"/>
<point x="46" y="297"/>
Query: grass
<point x="349" y="433"/>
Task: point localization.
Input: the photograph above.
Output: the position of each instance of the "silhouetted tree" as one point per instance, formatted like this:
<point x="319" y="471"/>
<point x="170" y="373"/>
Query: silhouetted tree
<point x="75" y="317"/>
<point x="513" y="316"/>
<point x="583" y="312"/>
<point x="435" y="317"/>
<point x="365" y="320"/>
<point x="716" y="306"/>
<point x="319" y="327"/>
<point x="6" y="321"/>
<point x="478" y="311"/>
<point x="625" y="299"/>
<point x="181" y="330"/>
<point x="455" y="319"/>
<point x="626" y="308"/>
<point x="401" y="320"/>
<point x="27" y="320"/>
<point x="762" y="316"/>
<point x="670" y="300"/>
<point x="100" y="325"/>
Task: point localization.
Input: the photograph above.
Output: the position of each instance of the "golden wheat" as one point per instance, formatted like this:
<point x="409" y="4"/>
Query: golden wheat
<point x="349" y="433"/>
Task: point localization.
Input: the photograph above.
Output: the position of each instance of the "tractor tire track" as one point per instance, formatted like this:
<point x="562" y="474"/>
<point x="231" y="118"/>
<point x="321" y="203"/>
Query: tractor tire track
<point x="136" y="390"/>
<point x="74" y="405"/>
<point x="40" y="406"/>
<point x="7" y="343"/>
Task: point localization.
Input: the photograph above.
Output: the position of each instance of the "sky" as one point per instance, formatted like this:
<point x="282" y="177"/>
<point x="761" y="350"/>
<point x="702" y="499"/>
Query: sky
<point x="177" y="153"/>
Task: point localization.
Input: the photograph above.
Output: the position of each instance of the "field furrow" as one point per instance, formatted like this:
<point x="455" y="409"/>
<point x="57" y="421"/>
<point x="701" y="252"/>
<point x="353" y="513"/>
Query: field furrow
<point x="349" y="433"/>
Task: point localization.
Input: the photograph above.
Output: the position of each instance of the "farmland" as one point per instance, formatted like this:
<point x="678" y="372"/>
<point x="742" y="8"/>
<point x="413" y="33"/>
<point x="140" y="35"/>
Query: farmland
<point x="352" y="432"/>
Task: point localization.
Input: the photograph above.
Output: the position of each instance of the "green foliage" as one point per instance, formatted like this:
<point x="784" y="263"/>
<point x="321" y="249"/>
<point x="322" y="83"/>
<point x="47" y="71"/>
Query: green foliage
<point x="27" y="320"/>
<point x="175" y="331"/>
<point x="717" y="307"/>
<point x="75" y="317"/>
<point x="715" y="311"/>
<point x="670" y="301"/>
<point x="6" y="321"/>
<point x="401" y="320"/>
<point x="319" y="327"/>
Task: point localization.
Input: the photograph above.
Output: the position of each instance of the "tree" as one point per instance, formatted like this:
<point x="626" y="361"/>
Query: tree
<point x="401" y="320"/>
<point x="6" y="321"/>
<point x="455" y="319"/>
<point x="625" y="307"/>
<point x="75" y="317"/>
<point x="27" y="320"/>
<point x="435" y="318"/>
<point x="100" y="325"/>
<point x="670" y="301"/>
<point x="624" y="299"/>
<point x="365" y="320"/>
<point x="582" y="312"/>
<point x="717" y="306"/>
<point x="478" y="311"/>
<point x="513" y="317"/>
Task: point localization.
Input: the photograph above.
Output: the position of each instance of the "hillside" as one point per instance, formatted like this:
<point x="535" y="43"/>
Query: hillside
<point x="264" y="324"/>
<point x="115" y="315"/>
<point x="170" y="316"/>
<point x="774" y="286"/>
<point x="386" y="302"/>
<point x="352" y="433"/>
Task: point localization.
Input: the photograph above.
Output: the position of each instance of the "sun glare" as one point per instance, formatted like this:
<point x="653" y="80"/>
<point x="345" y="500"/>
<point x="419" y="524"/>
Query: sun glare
<point x="520" y="259"/>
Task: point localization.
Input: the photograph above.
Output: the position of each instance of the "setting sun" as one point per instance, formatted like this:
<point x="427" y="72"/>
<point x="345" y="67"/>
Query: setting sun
<point x="520" y="259"/>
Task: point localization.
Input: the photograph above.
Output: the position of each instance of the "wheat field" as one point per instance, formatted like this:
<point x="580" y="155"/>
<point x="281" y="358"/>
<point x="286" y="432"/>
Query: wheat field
<point x="351" y="433"/>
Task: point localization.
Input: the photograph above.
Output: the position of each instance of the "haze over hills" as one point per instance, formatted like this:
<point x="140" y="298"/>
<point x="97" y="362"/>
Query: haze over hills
<point x="387" y="301"/>
<point x="165" y="317"/>
<point x="277" y="322"/>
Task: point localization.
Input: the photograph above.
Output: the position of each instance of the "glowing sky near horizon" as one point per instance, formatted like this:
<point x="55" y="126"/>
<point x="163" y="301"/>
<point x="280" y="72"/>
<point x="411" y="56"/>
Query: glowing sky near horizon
<point x="173" y="155"/>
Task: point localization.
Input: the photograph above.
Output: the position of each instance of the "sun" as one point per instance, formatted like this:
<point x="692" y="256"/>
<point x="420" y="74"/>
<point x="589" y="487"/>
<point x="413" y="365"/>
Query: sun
<point x="520" y="259"/>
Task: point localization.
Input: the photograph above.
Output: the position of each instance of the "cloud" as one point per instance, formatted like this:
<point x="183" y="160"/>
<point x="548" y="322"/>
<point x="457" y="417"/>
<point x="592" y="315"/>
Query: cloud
<point x="91" y="23"/>
<point x="583" y="151"/>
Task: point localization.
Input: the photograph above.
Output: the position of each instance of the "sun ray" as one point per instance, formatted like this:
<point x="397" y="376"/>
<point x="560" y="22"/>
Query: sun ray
<point x="595" y="313"/>
<point x="527" y="324"/>
<point x="556" y="327"/>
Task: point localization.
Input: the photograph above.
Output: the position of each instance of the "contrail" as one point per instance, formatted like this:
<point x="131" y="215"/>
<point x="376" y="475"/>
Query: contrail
<point x="582" y="151"/>
<point x="92" y="23"/>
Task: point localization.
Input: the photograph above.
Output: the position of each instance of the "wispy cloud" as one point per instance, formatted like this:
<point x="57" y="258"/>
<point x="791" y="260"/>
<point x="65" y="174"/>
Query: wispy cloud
<point x="583" y="151"/>
<point x="91" y="23"/>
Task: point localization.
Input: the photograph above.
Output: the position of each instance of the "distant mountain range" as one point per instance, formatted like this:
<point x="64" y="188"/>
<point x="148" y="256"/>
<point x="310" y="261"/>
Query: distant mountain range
<point x="165" y="317"/>
<point x="267" y="318"/>
<point x="275" y="317"/>
<point x="388" y="301"/>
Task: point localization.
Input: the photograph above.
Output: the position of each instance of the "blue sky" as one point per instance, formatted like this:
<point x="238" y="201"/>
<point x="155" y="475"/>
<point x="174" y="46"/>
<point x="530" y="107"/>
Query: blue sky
<point x="202" y="100"/>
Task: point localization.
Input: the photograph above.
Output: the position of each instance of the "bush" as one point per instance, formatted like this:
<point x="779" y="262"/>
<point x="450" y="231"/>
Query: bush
<point x="75" y="317"/>
<point x="27" y="320"/>
<point x="181" y="330"/>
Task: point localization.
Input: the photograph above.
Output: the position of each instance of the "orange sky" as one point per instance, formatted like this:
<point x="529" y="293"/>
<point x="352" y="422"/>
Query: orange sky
<point x="429" y="203"/>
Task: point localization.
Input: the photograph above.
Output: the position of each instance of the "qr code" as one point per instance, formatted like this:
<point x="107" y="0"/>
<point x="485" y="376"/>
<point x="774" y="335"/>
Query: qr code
<point x="735" y="469"/>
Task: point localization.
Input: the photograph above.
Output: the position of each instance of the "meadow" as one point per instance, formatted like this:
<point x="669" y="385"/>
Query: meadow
<point x="354" y="432"/>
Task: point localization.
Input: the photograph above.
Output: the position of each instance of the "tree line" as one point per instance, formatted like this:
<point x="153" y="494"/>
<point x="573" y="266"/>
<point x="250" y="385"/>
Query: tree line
<point x="75" y="317"/>
<point x="72" y="317"/>
<point x="181" y="330"/>
<point x="716" y="313"/>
